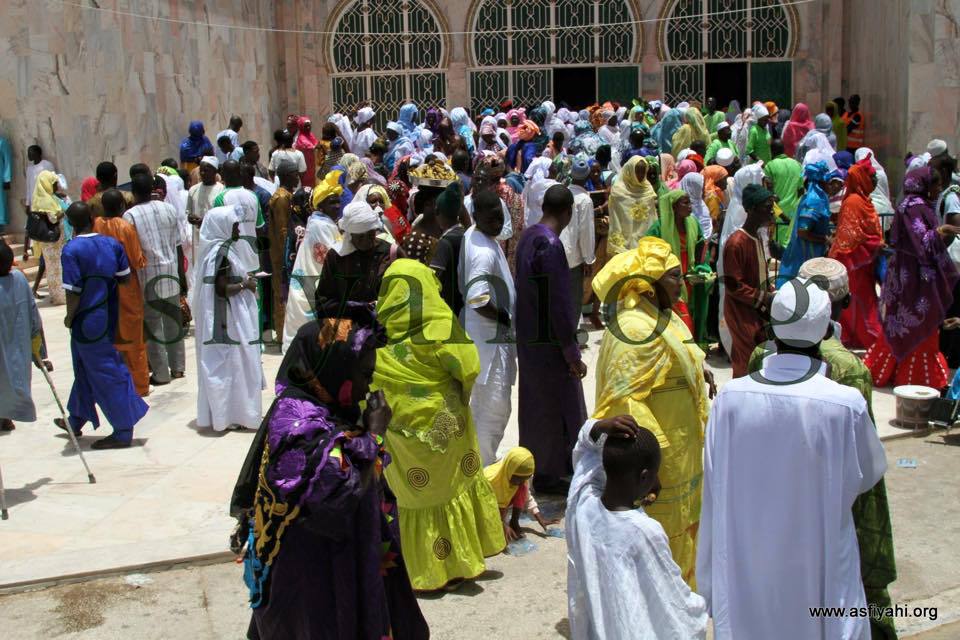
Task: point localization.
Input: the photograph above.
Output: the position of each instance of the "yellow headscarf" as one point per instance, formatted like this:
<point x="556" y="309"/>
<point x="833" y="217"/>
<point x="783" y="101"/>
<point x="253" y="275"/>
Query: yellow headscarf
<point x="636" y="270"/>
<point x="658" y="338"/>
<point x="43" y="199"/>
<point x="517" y="462"/>
<point x="329" y="186"/>
<point x="633" y="207"/>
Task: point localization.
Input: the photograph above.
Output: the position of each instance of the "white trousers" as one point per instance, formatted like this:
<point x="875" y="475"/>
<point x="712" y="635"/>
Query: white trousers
<point x="490" y="406"/>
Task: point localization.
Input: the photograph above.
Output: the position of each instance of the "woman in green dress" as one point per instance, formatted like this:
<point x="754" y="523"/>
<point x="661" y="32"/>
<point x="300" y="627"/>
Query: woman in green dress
<point x="449" y="518"/>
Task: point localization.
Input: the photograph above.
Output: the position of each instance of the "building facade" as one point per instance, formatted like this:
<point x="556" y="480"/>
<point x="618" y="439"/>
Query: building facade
<point x="121" y="81"/>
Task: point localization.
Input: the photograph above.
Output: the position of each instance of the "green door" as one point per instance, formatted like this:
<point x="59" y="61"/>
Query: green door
<point x="618" y="84"/>
<point x="772" y="81"/>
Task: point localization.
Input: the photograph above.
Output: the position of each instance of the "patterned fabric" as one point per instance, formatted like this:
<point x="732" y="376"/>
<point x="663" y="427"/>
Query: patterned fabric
<point x="419" y="246"/>
<point x="920" y="277"/>
<point x="449" y="519"/>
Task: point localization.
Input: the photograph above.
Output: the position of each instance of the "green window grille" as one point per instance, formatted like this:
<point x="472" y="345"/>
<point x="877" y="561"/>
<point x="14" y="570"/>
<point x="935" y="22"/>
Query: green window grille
<point x="387" y="53"/>
<point x="758" y="32"/>
<point x="490" y="40"/>
<point x="531" y="44"/>
<point x="514" y="43"/>
<point x="616" y="32"/>
<point x="488" y="88"/>
<point x="532" y="86"/>
<point x="728" y="29"/>
<point x="685" y="30"/>
<point x="575" y="42"/>
<point x="771" y="29"/>
<point x="682" y="83"/>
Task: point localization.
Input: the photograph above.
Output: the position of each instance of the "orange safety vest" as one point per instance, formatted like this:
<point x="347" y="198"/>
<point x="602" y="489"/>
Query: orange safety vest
<point x="855" y="137"/>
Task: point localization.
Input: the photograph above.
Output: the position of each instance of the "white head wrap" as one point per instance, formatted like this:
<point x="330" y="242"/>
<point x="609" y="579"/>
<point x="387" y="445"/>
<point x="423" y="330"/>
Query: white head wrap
<point x="365" y="115"/>
<point x="358" y="217"/>
<point x="723" y="125"/>
<point x="820" y="150"/>
<point x="936" y="146"/>
<point x="760" y="110"/>
<point x="724" y="157"/>
<point x="683" y="155"/>
<point x="800" y="313"/>
<point x="210" y="160"/>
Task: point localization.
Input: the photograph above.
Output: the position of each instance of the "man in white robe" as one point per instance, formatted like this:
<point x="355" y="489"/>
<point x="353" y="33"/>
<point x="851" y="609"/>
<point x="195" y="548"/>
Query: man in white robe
<point x="787" y="452"/>
<point x="622" y="581"/>
<point x="489" y="296"/>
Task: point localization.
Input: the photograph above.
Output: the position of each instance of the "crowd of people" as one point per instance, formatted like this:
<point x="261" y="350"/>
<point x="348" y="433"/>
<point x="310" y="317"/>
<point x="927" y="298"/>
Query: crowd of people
<point x="412" y="277"/>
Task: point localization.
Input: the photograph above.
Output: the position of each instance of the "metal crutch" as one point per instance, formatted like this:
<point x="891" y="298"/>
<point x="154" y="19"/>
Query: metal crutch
<point x="63" y="413"/>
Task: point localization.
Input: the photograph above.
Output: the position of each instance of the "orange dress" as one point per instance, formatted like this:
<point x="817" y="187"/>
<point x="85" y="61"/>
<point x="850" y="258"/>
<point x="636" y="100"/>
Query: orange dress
<point x="129" y="339"/>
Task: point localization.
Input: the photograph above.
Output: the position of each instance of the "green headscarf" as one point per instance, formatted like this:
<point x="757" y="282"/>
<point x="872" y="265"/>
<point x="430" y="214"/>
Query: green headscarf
<point x="670" y="233"/>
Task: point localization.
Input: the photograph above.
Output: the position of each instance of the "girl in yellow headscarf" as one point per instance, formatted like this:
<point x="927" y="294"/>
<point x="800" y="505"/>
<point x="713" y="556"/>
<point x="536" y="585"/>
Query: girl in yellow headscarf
<point x="510" y="479"/>
<point x="650" y="368"/>
<point x="46" y="203"/>
<point x="632" y="205"/>
<point x="449" y="520"/>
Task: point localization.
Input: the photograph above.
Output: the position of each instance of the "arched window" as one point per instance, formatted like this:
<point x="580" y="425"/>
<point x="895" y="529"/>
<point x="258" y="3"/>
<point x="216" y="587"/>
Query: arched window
<point x="745" y="45"/>
<point x="387" y="52"/>
<point x="515" y="45"/>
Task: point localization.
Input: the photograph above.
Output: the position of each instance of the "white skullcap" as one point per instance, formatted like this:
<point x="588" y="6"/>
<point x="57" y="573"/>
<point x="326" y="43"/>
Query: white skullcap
<point x="358" y="217"/>
<point x="723" y="125"/>
<point x="395" y="127"/>
<point x="724" y="157"/>
<point x="832" y="271"/>
<point x="364" y="115"/>
<point x="800" y="313"/>
<point x="936" y="147"/>
<point x="760" y="110"/>
<point x="686" y="153"/>
<point x="210" y="160"/>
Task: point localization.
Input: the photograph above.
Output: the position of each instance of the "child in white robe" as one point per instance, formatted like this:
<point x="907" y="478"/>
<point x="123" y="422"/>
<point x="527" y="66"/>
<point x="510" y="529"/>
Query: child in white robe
<point x="622" y="581"/>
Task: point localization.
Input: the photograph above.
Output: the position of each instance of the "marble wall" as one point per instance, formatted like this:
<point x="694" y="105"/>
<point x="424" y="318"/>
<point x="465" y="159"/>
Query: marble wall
<point x="880" y="74"/>
<point x="95" y="82"/>
<point x="91" y="85"/>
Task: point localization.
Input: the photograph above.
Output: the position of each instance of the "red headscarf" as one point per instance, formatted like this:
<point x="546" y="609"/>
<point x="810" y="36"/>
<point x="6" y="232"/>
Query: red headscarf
<point x="696" y="159"/>
<point x="305" y="141"/>
<point x="799" y="126"/>
<point x="859" y="234"/>
<point x="88" y="188"/>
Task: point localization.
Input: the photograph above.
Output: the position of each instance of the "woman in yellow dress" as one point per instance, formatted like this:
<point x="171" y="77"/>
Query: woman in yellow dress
<point x="449" y="517"/>
<point x="650" y="368"/>
<point x="632" y="205"/>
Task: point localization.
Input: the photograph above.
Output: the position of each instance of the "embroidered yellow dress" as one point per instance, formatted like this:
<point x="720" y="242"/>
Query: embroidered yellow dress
<point x="651" y="368"/>
<point x="449" y="518"/>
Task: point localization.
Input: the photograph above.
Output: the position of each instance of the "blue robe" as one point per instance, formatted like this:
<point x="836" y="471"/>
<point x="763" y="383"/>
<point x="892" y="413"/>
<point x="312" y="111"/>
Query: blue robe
<point x="813" y="214"/>
<point x="19" y="324"/>
<point x="91" y="265"/>
<point x="6" y="174"/>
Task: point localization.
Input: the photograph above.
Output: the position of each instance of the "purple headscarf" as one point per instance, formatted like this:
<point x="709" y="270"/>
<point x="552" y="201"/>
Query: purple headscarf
<point x="918" y="288"/>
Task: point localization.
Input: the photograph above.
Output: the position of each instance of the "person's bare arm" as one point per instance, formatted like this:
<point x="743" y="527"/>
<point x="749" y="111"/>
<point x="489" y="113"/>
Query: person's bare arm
<point x="73" y="302"/>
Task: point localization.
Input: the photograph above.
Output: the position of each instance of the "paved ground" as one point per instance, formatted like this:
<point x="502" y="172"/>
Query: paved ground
<point x="165" y="500"/>
<point x="161" y="500"/>
<point x="519" y="597"/>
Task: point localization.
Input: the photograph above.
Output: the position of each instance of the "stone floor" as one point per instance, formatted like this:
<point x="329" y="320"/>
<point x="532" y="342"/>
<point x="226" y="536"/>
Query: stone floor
<point x="162" y="500"/>
<point x="518" y="597"/>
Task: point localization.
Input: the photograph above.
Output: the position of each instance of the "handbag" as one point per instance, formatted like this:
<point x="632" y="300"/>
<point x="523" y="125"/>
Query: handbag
<point x="40" y="229"/>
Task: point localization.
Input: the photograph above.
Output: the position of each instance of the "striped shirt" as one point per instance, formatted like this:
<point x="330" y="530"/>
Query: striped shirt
<point x="159" y="232"/>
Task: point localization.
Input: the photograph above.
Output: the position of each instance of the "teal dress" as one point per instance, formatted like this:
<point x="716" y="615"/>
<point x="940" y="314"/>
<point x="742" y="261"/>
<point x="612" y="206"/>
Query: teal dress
<point x="813" y="214"/>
